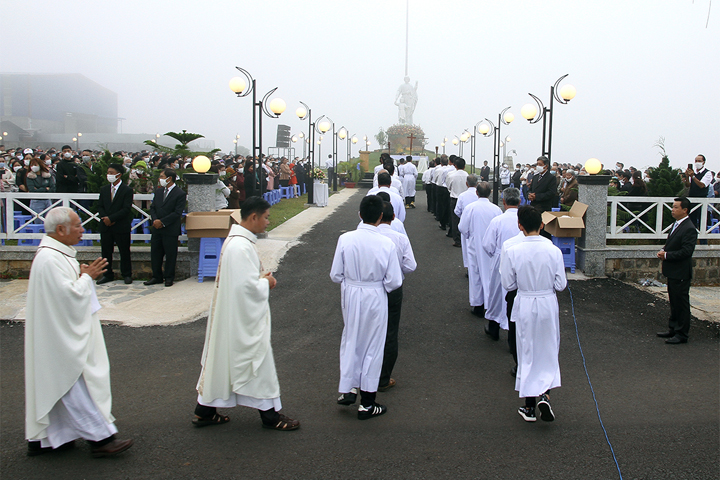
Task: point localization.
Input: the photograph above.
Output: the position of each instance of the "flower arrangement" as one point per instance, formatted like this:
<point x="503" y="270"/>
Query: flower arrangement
<point x="403" y="129"/>
<point x="318" y="174"/>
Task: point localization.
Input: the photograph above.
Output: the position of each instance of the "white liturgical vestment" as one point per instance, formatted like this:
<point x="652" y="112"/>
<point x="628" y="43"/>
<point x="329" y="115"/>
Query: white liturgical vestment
<point x="366" y="266"/>
<point x="67" y="372"/>
<point x="409" y="179"/>
<point x="464" y="199"/>
<point x="502" y="228"/>
<point x="238" y="367"/>
<point x="406" y="257"/>
<point x="398" y="202"/>
<point x="536" y="269"/>
<point x="474" y="222"/>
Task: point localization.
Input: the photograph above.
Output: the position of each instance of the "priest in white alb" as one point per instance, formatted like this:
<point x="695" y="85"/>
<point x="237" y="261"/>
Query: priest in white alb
<point x="67" y="371"/>
<point x="238" y="367"/>
<point x="535" y="268"/>
<point x="409" y="181"/>
<point x="501" y="228"/>
<point x="474" y="222"/>
<point x="464" y="199"/>
<point x="366" y="266"/>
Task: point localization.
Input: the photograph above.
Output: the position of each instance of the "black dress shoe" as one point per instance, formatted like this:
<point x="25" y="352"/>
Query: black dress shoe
<point x="153" y="281"/>
<point x="676" y="340"/>
<point x="128" y="280"/>
<point x="168" y="283"/>
<point x="668" y="334"/>
<point x="478" y="311"/>
<point x="456" y="244"/>
<point x="490" y="334"/>
<point x="441" y="227"/>
<point x="112" y="448"/>
<point x="35" y="448"/>
<point x="105" y="280"/>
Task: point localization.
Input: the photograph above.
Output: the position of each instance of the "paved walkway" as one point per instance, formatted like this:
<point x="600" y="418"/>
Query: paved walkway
<point x="188" y="300"/>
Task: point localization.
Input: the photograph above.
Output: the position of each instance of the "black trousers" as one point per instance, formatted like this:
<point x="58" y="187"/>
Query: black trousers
<point x="443" y="206"/>
<point x="391" y="340"/>
<point x="679" y="296"/>
<point x="428" y="191"/>
<point x="454" y="221"/>
<point x="512" y="329"/>
<point x="108" y="240"/>
<point x="163" y="246"/>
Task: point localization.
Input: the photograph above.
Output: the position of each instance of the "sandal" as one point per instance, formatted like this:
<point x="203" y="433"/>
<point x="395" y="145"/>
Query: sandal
<point x="206" y="421"/>
<point x="284" y="423"/>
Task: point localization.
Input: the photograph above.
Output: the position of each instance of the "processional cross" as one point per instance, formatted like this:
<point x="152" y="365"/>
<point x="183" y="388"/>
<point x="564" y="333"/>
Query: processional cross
<point x="411" y="138"/>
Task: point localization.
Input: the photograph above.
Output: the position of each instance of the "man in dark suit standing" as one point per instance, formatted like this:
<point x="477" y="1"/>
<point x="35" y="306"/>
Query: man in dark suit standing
<point x="485" y="172"/>
<point x="166" y="213"/>
<point x="115" y="212"/>
<point x="677" y="267"/>
<point x="543" y="189"/>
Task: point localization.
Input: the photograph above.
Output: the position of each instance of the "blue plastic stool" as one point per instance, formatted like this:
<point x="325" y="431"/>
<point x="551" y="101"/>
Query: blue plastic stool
<point x="209" y="257"/>
<point x="286" y="192"/>
<point x="32" y="228"/>
<point x="20" y="219"/>
<point x="567" y="247"/>
<point x="716" y="223"/>
<point x="556" y="209"/>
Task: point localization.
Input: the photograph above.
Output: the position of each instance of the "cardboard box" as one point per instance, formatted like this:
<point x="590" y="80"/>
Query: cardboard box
<point x="211" y="224"/>
<point x="566" y="224"/>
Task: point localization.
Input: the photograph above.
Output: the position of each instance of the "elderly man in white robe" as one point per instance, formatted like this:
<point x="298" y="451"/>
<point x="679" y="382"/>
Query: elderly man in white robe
<point x="238" y="367"/>
<point x="473" y="224"/>
<point x="367" y="267"/>
<point x="464" y="199"/>
<point x="67" y="371"/>
<point x="501" y="228"/>
<point x="409" y="181"/>
<point x="536" y="269"/>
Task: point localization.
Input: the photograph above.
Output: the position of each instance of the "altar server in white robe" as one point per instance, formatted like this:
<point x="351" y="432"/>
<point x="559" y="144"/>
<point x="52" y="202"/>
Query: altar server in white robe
<point x="501" y="228"/>
<point x="367" y="267"/>
<point x="510" y="300"/>
<point x="409" y="180"/>
<point x="396" y="200"/>
<point x="67" y="371"/>
<point x="238" y="367"/>
<point x="464" y="199"/>
<point x="395" y="181"/>
<point x="474" y="222"/>
<point x="536" y="269"/>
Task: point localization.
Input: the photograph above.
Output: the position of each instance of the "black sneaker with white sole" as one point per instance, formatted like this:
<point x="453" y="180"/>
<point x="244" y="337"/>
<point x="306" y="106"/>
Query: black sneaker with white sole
<point x="374" y="410"/>
<point x="546" y="413"/>
<point x="528" y="414"/>
<point x="348" y="398"/>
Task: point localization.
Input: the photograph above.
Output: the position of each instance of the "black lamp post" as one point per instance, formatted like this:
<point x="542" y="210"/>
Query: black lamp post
<point x="303" y="112"/>
<point x="488" y="129"/>
<point x="530" y="112"/>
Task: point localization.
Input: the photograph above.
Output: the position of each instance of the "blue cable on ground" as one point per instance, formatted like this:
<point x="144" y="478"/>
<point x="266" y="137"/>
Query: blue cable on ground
<point x="572" y="304"/>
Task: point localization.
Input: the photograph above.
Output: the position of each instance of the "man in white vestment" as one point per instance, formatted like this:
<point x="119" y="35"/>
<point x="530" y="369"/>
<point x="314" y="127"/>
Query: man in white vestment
<point x="464" y="199"/>
<point x="456" y="183"/>
<point x="407" y="265"/>
<point x="395" y="181"/>
<point x="367" y="267"/>
<point x="238" y="367"/>
<point x="427" y="184"/>
<point x="67" y="371"/>
<point x="501" y="228"/>
<point x="474" y="222"/>
<point x="409" y="181"/>
<point x="536" y="269"/>
<point x="510" y="300"/>
<point x="396" y="200"/>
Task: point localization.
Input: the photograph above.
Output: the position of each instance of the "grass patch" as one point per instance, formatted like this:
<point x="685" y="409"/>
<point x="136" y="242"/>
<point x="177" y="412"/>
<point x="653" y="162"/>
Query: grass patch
<point x="285" y="210"/>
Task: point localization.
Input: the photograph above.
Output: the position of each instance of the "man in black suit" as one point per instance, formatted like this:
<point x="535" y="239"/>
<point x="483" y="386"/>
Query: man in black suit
<point x="485" y="172"/>
<point x="115" y="212"/>
<point x="543" y="189"/>
<point x="66" y="179"/>
<point x="677" y="267"/>
<point x="166" y="213"/>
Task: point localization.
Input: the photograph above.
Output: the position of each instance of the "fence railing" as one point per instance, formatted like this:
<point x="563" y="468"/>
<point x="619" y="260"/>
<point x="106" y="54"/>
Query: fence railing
<point x="650" y="217"/>
<point x="18" y="217"/>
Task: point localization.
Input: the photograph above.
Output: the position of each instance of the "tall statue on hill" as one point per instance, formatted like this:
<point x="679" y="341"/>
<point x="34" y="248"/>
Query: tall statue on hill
<point x="406" y="100"/>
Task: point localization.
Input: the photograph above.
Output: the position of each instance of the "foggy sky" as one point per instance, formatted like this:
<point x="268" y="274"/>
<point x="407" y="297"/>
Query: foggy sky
<point x="642" y="68"/>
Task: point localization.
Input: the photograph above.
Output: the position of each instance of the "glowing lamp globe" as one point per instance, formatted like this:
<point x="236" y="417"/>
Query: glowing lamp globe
<point x="301" y="135"/>
<point x="301" y="112"/>
<point x="442" y="144"/>
<point x="464" y="137"/>
<point x="324" y="126"/>
<point x="455" y="141"/>
<point x="342" y="134"/>
<point x="593" y="166"/>
<point x="79" y="134"/>
<point x="508" y="117"/>
<point x="237" y="85"/>
<point x="277" y="106"/>
<point x="528" y="111"/>
<point x="354" y="140"/>
<point x="294" y="139"/>
<point x="201" y="164"/>
<point x="567" y="92"/>
<point x="484" y="128"/>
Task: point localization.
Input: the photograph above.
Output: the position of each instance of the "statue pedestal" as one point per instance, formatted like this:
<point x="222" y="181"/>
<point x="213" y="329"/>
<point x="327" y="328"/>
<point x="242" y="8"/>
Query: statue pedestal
<point x="365" y="160"/>
<point x="201" y="198"/>
<point x="592" y="190"/>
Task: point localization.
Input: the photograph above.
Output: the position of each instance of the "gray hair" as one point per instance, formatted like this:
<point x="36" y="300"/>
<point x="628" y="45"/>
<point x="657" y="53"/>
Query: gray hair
<point x="483" y="190"/>
<point x="471" y="180"/>
<point x="511" y="196"/>
<point x="572" y="172"/>
<point x="58" y="216"/>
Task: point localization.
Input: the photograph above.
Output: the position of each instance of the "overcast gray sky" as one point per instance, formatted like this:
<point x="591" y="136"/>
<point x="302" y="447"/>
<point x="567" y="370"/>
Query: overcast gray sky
<point x="642" y="68"/>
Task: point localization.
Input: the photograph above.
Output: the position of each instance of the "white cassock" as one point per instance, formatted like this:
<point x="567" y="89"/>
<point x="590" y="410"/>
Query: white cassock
<point x="396" y="225"/>
<point x="238" y="367"/>
<point x="375" y="174"/>
<point x="501" y="228"/>
<point x="366" y="266"/>
<point x="409" y="179"/>
<point x="405" y="254"/>
<point x="397" y="184"/>
<point x="474" y="222"/>
<point x="398" y="202"/>
<point x="536" y="269"/>
<point x="427" y="175"/>
<point x="464" y="199"/>
<point x="67" y="372"/>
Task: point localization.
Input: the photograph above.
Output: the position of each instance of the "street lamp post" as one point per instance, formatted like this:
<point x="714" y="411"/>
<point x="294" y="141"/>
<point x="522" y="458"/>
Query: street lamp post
<point x="303" y="112"/>
<point x="488" y="129"/>
<point x="77" y="142"/>
<point x="277" y="106"/>
<point x="323" y="127"/>
<point x="343" y="135"/>
<point x="530" y="112"/>
<point x="235" y="142"/>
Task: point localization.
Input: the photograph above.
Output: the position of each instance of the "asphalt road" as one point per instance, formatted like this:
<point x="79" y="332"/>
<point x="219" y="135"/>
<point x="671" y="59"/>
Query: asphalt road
<point x="452" y="413"/>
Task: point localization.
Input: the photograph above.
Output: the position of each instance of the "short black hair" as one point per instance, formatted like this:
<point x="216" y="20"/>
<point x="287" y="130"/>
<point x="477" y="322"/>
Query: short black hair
<point x="384" y="195"/>
<point x="252" y="205"/>
<point x="66" y="146"/>
<point x="684" y="203"/>
<point x="544" y="160"/>
<point x="701" y="155"/>
<point x="483" y="189"/>
<point x="371" y="209"/>
<point x="388" y="212"/>
<point x="460" y="163"/>
<point x="431" y="164"/>
<point x="390" y="168"/>
<point x="530" y="218"/>
<point x="117" y="167"/>
<point x="384" y="179"/>
<point x="170" y="173"/>
<point x="409" y="158"/>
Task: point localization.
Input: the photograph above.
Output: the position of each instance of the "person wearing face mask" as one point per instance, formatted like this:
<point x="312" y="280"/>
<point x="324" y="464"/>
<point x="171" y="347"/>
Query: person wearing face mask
<point x="115" y="212"/>
<point x="543" y="189"/>
<point x="66" y="176"/>
<point x="39" y="180"/>
<point x="222" y="192"/>
<point x="698" y="181"/>
<point x="166" y="213"/>
<point x="8" y="178"/>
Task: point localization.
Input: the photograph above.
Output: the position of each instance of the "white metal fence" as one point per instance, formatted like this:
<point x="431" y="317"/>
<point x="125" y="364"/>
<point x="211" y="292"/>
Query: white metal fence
<point x="19" y="221"/>
<point x="650" y="217"/>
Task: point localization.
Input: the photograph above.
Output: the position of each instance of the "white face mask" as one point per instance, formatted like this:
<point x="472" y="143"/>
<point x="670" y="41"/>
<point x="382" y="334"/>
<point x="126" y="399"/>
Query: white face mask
<point x="86" y="159"/>
<point x="48" y="162"/>
<point x="67" y="155"/>
<point x="539" y="169"/>
<point x="35" y="168"/>
<point x="163" y="182"/>
<point x="699" y="166"/>
<point x="222" y="173"/>
<point x="240" y="170"/>
<point x="111" y="178"/>
<point x="27" y="162"/>
<point x="16" y="168"/>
